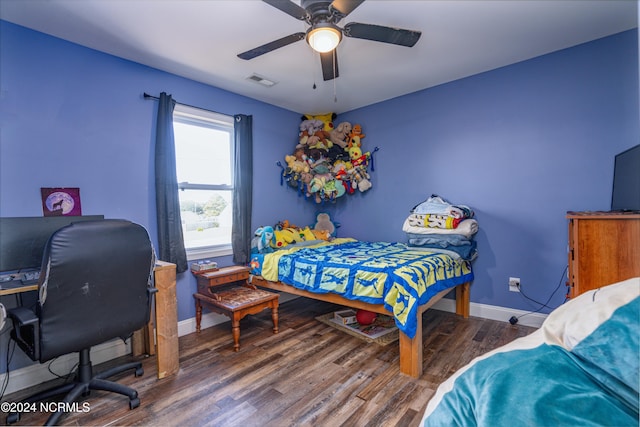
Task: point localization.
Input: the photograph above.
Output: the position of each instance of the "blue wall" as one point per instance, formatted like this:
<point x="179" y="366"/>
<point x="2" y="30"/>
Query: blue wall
<point x="74" y="117"/>
<point x="522" y="145"/>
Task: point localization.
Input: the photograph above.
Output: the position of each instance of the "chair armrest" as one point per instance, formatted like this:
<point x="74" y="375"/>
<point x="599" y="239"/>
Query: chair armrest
<point x="26" y="330"/>
<point x="22" y="315"/>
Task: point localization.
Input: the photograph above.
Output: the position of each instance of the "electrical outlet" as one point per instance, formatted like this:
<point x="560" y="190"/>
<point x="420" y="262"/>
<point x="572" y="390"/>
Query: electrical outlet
<point x="514" y="284"/>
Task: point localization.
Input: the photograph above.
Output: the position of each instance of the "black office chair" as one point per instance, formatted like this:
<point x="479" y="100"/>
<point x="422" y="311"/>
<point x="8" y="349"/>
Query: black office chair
<point x="95" y="285"/>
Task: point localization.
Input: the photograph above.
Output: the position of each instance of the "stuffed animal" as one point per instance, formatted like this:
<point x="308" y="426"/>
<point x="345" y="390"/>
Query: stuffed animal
<point x="323" y="222"/>
<point x="299" y="154"/>
<point x="321" y="234"/>
<point x="333" y="189"/>
<point x="308" y="128"/>
<point x="320" y="142"/>
<point x="356" y="156"/>
<point x="355" y="137"/>
<point x="340" y="134"/>
<point x="327" y="163"/>
<point x="293" y="234"/>
<point x="318" y="163"/>
<point x="306" y="178"/>
<point x="326" y="119"/>
<point x="317" y="183"/>
<point x="296" y="166"/>
<point x="284" y="224"/>
<point x="341" y="174"/>
<point x="361" y="178"/>
<point x="261" y="243"/>
<point x="318" y="128"/>
<point x="282" y="238"/>
<point x="307" y="234"/>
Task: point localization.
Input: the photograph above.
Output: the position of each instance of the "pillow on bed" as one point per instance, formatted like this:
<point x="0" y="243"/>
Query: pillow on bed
<point x="601" y="327"/>
<point x="573" y="321"/>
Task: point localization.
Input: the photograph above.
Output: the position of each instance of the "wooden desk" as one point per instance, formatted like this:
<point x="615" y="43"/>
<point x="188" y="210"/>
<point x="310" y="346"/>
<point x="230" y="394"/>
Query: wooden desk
<point x="164" y="321"/>
<point x="164" y="343"/>
<point x="18" y="290"/>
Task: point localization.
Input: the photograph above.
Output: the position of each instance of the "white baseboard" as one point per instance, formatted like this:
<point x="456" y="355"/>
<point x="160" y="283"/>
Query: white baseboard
<point x="38" y="373"/>
<point x="494" y="312"/>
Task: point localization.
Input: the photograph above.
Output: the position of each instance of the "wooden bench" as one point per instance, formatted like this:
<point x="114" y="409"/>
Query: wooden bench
<point x="236" y="302"/>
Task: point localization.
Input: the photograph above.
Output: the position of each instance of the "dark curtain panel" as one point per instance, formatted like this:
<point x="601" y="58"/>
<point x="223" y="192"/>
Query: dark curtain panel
<point x="243" y="188"/>
<point x="170" y="236"/>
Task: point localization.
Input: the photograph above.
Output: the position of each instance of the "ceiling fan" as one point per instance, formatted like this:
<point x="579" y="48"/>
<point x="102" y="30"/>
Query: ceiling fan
<point x="324" y="35"/>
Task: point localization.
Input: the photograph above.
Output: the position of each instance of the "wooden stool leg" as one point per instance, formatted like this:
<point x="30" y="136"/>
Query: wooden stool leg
<point x="274" y="317"/>
<point x="235" y="331"/>
<point x="198" y="314"/>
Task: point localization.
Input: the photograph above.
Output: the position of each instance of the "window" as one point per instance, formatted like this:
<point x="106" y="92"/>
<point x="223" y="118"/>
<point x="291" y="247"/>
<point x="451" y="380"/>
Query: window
<point x="204" y="168"/>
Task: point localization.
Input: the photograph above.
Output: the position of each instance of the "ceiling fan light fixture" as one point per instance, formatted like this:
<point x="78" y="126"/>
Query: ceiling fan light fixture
<point x="324" y="37"/>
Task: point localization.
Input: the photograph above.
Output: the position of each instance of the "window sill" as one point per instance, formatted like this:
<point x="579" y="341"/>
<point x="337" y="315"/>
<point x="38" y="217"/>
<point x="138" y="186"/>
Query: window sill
<point x="204" y="253"/>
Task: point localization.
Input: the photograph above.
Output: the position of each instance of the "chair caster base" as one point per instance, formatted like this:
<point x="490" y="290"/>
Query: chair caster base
<point x="134" y="403"/>
<point x="13" y="418"/>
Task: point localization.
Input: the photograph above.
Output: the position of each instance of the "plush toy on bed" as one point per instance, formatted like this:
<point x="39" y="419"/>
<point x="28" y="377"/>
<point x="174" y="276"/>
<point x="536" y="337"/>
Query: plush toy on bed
<point x="286" y="236"/>
<point x="261" y="243"/>
<point x="321" y="235"/>
<point x="307" y="234"/>
<point x="324" y="223"/>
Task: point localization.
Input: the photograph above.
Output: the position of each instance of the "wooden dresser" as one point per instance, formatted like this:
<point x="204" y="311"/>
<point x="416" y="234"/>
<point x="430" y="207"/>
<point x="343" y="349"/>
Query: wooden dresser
<point x="604" y="248"/>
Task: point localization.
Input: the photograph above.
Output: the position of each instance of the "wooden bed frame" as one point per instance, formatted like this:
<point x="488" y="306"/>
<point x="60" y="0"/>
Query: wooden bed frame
<point x="410" y="349"/>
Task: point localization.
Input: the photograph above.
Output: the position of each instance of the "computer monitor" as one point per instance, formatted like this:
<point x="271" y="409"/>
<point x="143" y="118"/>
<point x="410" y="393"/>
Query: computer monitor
<point x="626" y="181"/>
<point x="22" y="239"/>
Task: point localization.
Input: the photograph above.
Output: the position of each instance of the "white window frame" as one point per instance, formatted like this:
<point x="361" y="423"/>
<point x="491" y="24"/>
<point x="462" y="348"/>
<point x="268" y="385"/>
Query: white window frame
<point x="195" y="116"/>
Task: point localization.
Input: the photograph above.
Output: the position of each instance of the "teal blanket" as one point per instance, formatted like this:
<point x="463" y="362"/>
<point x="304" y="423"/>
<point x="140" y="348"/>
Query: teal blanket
<point x="581" y="368"/>
<point x="393" y="274"/>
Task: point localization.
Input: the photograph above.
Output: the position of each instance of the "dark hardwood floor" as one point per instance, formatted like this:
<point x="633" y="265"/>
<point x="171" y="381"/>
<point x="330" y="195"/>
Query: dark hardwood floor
<point x="309" y="374"/>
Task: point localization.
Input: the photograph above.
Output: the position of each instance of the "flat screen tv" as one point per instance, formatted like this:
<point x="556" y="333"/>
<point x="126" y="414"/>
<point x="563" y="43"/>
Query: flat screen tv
<point x="626" y="181"/>
<point x="22" y="239"/>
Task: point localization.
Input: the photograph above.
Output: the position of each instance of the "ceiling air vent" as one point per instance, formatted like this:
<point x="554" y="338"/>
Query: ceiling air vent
<point x="261" y="80"/>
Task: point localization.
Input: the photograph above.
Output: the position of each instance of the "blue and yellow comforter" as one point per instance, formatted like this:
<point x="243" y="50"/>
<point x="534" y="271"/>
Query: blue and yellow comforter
<point x="393" y="274"/>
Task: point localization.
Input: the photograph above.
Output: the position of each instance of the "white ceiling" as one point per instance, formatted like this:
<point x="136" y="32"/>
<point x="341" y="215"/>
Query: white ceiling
<point x="199" y="39"/>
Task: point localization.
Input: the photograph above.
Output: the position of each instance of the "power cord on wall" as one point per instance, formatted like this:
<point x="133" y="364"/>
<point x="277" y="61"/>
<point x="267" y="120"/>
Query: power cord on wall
<point x="10" y="351"/>
<point x="513" y="320"/>
<point x="66" y="377"/>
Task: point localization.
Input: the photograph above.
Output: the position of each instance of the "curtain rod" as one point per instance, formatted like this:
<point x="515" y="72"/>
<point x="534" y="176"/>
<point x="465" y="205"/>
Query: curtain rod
<point x="147" y="96"/>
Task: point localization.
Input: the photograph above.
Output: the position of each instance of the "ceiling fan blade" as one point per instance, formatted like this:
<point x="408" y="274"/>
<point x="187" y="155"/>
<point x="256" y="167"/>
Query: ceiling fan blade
<point x="345" y="7"/>
<point x="329" y="68"/>
<point x="276" y="44"/>
<point x="382" y="34"/>
<point x="289" y="8"/>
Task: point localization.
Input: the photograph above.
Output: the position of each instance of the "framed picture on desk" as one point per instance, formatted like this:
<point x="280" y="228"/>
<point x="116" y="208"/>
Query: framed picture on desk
<point x="61" y="201"/>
